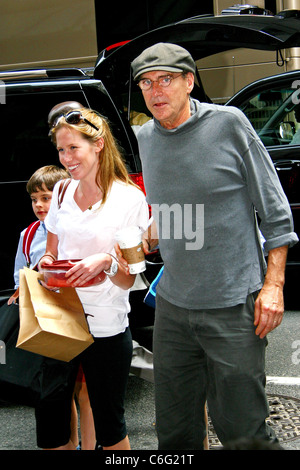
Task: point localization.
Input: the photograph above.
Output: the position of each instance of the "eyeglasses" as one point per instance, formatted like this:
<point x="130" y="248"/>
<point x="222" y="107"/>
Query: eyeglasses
<point x="164" y="81"/>
<point x="74" y="117"/>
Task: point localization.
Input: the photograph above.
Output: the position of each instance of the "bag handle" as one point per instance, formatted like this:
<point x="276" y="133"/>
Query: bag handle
<point x="28" y="237"/>
<point x="62" y="190"/>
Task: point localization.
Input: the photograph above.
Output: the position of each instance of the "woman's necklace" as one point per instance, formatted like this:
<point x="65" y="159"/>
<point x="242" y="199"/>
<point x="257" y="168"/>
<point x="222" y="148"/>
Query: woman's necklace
<point x="94" y="200"/>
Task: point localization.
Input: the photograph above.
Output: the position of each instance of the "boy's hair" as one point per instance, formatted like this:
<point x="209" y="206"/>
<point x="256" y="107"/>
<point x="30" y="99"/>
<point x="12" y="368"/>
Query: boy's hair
<point x="45" y="176"/>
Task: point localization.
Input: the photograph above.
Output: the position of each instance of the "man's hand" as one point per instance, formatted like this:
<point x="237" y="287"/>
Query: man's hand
<point x="269" y="309"/>
<point x="150" y="238"/>
<point x="269" y="305"/>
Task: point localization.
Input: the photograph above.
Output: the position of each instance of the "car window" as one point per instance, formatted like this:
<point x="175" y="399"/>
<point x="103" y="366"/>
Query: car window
<point x="24" y="133"/>
<point x="275" y="115"/>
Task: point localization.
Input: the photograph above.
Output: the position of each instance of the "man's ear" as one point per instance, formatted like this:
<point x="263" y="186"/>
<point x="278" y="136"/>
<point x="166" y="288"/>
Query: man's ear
<point x="190" y="81"/>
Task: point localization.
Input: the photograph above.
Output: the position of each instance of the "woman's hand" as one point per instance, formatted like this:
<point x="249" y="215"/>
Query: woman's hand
<point x="47" y="258"/>
<point x="85" y="270"/>
<point x="121" y="260"/>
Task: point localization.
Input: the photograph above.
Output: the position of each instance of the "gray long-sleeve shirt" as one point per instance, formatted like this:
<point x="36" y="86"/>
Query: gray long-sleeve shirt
<point x="203" y="180"/>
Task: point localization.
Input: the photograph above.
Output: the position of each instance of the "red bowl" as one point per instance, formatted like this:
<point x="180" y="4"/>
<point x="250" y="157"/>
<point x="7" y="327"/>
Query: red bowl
<point x="55" y="274"/>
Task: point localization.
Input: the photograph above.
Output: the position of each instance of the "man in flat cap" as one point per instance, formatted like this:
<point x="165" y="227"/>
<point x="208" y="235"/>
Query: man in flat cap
<point x="216" y="301"/>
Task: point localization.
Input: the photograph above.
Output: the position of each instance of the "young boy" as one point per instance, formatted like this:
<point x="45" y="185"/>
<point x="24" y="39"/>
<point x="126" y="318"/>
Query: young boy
<point x="39" y="187"/>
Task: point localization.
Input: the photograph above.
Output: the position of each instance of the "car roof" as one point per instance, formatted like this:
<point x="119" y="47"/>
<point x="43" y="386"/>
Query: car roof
<point x="203" y="36"/>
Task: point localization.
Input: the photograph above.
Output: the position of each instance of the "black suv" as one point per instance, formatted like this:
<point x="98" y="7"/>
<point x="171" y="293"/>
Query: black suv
<point x="26" y="146"/>
<point x="27" y="97"/>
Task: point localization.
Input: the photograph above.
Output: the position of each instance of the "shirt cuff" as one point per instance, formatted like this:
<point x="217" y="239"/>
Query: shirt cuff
<point x="289" y="239"/>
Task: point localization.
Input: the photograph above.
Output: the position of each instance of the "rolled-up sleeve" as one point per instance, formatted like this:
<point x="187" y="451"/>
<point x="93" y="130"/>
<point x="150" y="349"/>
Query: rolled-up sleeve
<point x="268" y="197"/>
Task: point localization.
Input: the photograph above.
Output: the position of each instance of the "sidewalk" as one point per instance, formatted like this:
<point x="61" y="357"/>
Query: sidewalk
<point x="17" y="423"/>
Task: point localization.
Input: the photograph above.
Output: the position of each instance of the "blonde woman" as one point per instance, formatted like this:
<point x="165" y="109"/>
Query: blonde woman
<point x="100" y="200"/>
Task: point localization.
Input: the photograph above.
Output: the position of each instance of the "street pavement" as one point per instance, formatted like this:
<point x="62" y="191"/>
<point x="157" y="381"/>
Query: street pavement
<point x="17" y="423"/>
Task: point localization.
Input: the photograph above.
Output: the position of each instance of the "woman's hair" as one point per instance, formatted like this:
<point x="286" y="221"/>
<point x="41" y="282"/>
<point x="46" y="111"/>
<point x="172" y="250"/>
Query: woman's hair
<point x="45" y="176"/>
<point x="111" y="165"/>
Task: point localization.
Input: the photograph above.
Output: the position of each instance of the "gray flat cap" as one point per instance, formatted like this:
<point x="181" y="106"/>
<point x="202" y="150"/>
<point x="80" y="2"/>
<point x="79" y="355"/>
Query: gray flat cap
<point x="163" y="56"/>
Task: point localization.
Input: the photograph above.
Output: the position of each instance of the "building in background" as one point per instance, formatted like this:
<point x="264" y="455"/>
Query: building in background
<point x="226" y="73"/>
<point x="71" y="33"/>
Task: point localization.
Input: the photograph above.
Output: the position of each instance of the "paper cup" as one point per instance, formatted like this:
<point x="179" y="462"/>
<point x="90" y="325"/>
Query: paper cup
<point x="130" y="242"/>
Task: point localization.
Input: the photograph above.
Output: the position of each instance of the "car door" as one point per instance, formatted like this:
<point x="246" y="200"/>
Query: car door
<point x="272" y="105"/>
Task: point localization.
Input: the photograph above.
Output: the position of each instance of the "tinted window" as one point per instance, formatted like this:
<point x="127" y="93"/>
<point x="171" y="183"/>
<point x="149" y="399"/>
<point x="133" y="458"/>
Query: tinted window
<point x="275" y="115"/>
<point x="24" y="133"/>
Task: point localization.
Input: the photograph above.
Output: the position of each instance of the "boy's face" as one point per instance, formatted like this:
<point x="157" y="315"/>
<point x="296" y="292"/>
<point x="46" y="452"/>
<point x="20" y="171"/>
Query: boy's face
<point x="41" y="201"/>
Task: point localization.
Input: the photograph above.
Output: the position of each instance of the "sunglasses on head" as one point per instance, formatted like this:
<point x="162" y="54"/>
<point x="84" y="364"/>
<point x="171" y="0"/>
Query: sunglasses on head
<point x="75" y="117"/>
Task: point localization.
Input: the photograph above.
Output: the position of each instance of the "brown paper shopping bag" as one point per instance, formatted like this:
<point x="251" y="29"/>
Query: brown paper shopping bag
<point x="52" y="324"/>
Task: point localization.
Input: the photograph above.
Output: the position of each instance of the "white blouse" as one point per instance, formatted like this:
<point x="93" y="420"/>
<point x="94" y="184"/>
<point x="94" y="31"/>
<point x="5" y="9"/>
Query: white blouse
<point x="84" y="233"/>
